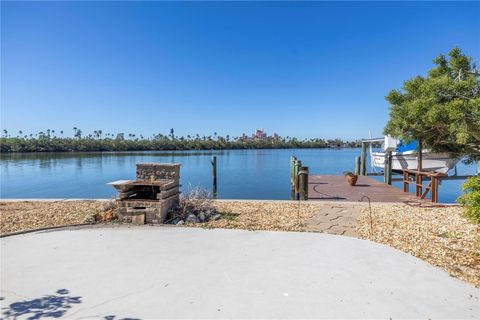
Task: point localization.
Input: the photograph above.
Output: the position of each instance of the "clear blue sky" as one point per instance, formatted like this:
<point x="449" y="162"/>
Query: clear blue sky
<point x="309" y="69"/>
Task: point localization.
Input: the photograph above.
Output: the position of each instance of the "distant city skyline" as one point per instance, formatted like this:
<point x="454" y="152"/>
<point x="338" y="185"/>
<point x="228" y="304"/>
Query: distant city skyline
<point x="299" y="69"/>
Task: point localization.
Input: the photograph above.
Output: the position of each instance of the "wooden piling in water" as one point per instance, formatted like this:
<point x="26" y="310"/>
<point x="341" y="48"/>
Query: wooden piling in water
<point x="303" y="183"/>
<point x="387" y="169"/>
<point x="364" y="159"/>
<point x="214" y="176"/>
<point x="292" y="168"/>
<point x="297" y="166"/>
<point x="358" y="162"/>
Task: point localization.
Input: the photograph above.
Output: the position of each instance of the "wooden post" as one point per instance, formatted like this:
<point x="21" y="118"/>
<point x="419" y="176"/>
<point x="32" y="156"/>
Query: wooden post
<point x="434" y="190"/>
<point x="358" y="162"/>
<point x="364" y="158"/>
<point x="405" y="181"/>
<point x="387" y="169"/>
<point x="303" y="183"/>
<point x="214" y="175"/>
<point x="297" y="166"/>
<point x="292" y="165"/>
<point x="418" y="184"/>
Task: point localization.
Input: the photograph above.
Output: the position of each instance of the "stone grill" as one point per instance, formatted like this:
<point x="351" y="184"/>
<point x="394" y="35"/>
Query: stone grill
<point x="148" y="199"/>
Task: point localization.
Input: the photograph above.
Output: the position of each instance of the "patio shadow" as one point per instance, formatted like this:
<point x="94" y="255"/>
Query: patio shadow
<point x="52" y="306"/>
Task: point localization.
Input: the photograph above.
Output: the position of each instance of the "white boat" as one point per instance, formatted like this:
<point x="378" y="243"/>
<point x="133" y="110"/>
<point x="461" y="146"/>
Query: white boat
<point x="405" y="157"/>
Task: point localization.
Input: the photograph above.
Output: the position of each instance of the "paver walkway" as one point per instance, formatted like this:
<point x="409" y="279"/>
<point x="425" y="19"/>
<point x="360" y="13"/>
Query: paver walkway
<point x="338" y="219"/>
<point x="172" y="272"/>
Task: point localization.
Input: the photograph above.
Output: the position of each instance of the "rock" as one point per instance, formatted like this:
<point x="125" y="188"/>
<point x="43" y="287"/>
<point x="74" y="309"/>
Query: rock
<point x="138" y="219"/>
<point x="175" y="220"/>
<point x="90" y="219"/>
<point x="192" y="218"/>
<point x="201" y="216"/>
<point x="180" y="223"/>
<point x="109" y="215"/>
<point x="217" y="217"/>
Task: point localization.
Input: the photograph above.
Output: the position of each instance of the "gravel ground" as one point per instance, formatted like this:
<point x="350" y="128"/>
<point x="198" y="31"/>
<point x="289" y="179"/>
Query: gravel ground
<point x="441" y="236"/>
<point x="28" y="215"/>
<point x="264" y="215"/>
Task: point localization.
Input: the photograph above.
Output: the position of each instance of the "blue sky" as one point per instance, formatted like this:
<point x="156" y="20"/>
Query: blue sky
<point x="308" y="69"/>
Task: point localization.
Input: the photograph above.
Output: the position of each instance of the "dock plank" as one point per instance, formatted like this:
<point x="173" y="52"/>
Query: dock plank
<point x="335" y="187"/>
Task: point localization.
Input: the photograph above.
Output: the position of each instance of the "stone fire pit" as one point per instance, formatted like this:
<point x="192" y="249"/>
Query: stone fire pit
<point x="149" y="198"/>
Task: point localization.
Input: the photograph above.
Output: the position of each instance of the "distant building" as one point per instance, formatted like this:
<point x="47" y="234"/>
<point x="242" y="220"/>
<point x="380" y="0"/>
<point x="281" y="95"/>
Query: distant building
<point x="259" y="134"/>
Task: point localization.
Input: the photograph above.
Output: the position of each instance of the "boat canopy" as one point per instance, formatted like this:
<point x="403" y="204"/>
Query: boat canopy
<point x="411" y="146"/>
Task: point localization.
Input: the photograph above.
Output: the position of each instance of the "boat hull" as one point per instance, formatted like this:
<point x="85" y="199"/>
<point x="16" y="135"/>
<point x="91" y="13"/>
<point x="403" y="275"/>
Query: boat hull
<point x="438" y="162"/>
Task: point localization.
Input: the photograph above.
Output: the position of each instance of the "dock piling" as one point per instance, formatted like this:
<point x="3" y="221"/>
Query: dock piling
<point x="358" y="161"/>
<point x="364" y="159"/>
<point x="303" y="183"/>
<point x="296" y="170"/>
<point x="214" y="176"/>
<point x="387" y="170"/>
<point x="292" y="168"/>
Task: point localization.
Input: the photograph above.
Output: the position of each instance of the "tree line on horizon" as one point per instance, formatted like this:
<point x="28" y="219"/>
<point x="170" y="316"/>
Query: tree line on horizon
<point x="49" y="141"/>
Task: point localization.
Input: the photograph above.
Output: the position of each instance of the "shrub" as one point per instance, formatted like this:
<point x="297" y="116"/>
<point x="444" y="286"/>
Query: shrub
<point x="471" y="198"/>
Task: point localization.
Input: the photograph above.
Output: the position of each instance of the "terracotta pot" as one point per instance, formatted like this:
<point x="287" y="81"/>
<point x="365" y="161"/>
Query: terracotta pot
<point x="352" y="179"/>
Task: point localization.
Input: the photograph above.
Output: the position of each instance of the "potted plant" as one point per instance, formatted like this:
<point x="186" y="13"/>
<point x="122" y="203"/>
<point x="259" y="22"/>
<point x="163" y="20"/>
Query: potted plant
<point x="351" y="178"/>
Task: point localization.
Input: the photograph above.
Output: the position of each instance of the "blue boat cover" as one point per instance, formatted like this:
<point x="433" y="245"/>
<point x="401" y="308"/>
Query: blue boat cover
<point x="402" y="147"/>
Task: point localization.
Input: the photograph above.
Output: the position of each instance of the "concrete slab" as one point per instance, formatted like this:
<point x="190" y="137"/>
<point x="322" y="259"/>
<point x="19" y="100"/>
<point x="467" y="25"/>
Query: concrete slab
<point x="171" y="272"/>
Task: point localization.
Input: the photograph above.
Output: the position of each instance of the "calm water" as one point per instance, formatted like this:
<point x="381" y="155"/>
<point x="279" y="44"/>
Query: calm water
<point x="242" y="174"/>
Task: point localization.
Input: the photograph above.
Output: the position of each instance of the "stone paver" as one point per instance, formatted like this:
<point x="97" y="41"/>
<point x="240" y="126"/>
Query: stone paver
<point x="338" y="219"/>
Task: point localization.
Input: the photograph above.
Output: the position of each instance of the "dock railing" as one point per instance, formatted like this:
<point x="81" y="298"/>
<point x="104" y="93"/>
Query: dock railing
<point x="434" y="178"/>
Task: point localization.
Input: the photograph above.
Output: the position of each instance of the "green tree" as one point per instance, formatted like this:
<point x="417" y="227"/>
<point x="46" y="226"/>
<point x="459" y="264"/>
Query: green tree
<point x="471" y="198"/>
<point x="442" y="109"/>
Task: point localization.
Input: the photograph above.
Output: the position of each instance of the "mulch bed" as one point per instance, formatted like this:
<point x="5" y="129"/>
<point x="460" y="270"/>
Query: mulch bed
<point x="28" y="215"/>
<point x="263" y="215"/>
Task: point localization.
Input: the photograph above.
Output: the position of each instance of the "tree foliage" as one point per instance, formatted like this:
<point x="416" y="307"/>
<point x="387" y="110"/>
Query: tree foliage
<point x="441" y="109"/>
<point x="48" y="142"/>
<point x="471" y="198"/>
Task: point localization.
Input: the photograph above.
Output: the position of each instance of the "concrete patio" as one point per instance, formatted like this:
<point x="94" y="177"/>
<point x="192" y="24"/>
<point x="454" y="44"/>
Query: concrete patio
<point x="133" y="272"/>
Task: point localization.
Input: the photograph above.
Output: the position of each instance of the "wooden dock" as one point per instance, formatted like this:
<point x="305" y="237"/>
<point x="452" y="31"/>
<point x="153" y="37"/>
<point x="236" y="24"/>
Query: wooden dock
<point x="336" y="188"/>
